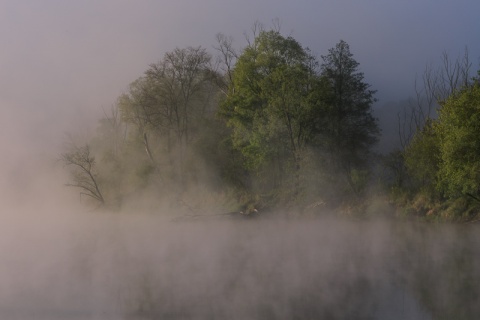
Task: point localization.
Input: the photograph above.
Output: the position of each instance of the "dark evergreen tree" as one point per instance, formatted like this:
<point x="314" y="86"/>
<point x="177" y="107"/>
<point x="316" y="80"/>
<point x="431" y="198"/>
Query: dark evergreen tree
<point x="350" y="129"/>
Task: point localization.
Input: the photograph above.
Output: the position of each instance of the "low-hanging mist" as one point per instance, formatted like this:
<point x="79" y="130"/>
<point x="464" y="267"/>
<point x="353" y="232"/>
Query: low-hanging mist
<point x="135" y="266"/>
<point x="63" y="260"/>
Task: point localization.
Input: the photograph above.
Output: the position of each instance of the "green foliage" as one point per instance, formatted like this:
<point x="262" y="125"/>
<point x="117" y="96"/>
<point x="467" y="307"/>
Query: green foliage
<point x="268" y="106"/>
<point x="422" y="159"/>
<point x="285" y="129"/>
<point x="394" y="170"/>
<point x="280" y="108"/>
<point x="458" y="129"/>
<point x="267" y="100"/>
<point x="443" y="159"/>
<point x="352" y="126"/>
<point x="349" y="129"/>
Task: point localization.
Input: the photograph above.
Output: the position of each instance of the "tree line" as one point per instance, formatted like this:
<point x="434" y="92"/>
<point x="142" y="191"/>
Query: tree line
<point x="267" y="126"/>
<point x="437" y="168"/>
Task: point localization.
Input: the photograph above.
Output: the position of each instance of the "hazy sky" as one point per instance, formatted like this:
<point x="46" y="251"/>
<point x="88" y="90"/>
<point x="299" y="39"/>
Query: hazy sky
<point x="62" y="61"/>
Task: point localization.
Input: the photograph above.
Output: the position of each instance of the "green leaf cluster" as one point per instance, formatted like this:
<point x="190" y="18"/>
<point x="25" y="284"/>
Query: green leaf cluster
<point x="458" y="129"/>
<point x="280" y="106"/>
<point x="268" y="102"/>
<point x="443" y="159"/>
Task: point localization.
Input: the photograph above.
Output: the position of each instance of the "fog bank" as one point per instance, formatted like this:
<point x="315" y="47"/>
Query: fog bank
<point x="72" y="265"/>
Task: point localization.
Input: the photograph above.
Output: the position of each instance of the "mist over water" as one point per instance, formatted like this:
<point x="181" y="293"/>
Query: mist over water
<point x="59" y="260"/>
<point x="78" y="265"/>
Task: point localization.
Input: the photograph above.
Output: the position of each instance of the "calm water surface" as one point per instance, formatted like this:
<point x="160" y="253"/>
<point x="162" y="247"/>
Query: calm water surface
<point x="144" y="268"/>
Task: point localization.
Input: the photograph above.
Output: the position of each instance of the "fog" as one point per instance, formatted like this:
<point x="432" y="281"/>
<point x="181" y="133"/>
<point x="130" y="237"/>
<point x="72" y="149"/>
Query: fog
<point x="64" y="63"/>
<point x="62" y="260"/>
<point x="91" y="266"/>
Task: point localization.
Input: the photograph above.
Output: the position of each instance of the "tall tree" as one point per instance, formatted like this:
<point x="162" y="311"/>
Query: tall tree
<point x="351" y="129"/>
<point x="136" y="108"/>
<point x="183" y="83"/>
<point x="170" y="102"/>
<point x="267" y="104"/>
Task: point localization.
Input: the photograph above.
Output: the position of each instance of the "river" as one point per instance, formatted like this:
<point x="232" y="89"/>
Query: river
<point x="143" y="267"/>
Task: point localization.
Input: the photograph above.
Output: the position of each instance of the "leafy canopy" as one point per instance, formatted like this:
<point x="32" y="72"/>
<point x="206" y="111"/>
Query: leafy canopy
<point x="267" y="105"/>
<point x="458" y="129"/>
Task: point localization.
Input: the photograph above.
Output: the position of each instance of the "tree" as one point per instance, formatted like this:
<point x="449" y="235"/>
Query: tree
<point x="135" y="108"/>
<point x="443" y="158"/>
<point x="435" y="86"/>
<point x="83" y="171"/>
<point x="169" y="104"/>
<point x="351" y="129"/>
<point x="419" y="127"/>
<point x="227" y="58"/>
<point x="422" y="159"/>
<point x="267" y="105"/>
<point x="458" y="129"/>
<point x="183" y="86"/>
<point x="112" y="130"/>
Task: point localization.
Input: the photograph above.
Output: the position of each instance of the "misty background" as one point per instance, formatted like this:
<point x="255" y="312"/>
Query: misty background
<point x="64" y="63"/>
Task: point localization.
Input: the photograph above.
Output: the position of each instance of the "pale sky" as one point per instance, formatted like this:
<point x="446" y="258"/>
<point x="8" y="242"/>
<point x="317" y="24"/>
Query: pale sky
<point x="62" y="61"/>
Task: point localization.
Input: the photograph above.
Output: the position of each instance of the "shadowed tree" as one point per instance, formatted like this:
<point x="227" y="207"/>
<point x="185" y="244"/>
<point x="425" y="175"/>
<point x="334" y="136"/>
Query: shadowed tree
<point x="351" y="130"/>
<point x="169" y="105"/>
<point x="134" y="107"/>
<point x="183" y="88"/>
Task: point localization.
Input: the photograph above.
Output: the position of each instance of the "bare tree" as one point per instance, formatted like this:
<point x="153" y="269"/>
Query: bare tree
<point x="82" y="165"/>
<point x="181" y="83"/>
<point x="228" y="55"/>
<point x="256" y="29"/>
<point x="169" y="103"/>
<point x="227" y="58"/>
<point x="435" y="85"/>
<point x="276" y="24"/>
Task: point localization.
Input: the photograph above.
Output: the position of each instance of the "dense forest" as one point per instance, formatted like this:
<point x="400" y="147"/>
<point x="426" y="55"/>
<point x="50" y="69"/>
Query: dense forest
<point x="271" y="128"/>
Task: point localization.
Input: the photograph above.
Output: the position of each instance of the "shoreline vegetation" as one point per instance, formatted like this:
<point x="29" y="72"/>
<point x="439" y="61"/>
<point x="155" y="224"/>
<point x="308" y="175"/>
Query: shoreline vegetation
<point x="272" y="128"/>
